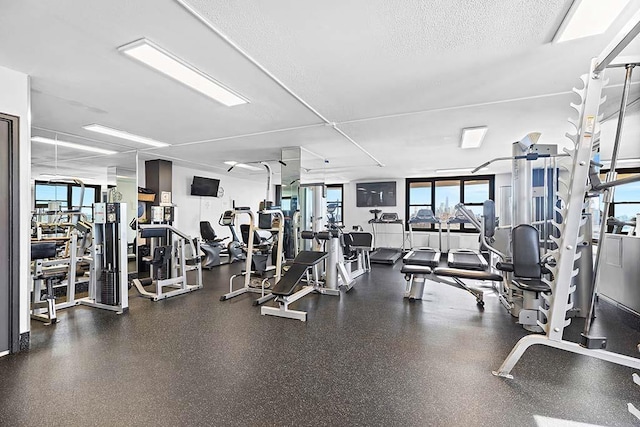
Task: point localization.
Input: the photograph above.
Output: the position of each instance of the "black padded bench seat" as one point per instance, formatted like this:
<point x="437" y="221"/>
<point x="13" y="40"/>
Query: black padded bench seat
<point x="467" y="274"/>
<point x="425" y="257"/>
<point x="305" y="259"/>
<point x="415" y="269"/>
<point x="309" y="258"/>
<point x="533" y="285"/>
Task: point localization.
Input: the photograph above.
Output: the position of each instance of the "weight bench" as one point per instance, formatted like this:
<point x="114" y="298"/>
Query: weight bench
<point x="418" y="264"/>
<point x="457" y="274"/>
<point x="285" y="290"/>
<point x="415" y="275"/>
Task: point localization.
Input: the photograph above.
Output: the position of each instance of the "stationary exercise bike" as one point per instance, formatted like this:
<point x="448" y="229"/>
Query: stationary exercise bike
<point x="235" y="248"/>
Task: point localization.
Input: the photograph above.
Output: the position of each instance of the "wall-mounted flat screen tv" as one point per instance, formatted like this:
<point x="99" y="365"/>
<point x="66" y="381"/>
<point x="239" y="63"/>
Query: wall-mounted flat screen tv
<point x="205" y="186"/>
<point x="373" y="194"/>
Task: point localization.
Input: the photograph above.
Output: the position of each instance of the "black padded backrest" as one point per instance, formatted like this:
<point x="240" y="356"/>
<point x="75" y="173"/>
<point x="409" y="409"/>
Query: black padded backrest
<point x="361" y="239"/>
<point x="489" y="217"/>
<point x="207" y="232"/>
<point x="149" y="233"/>
<point x="264" y="221"/>
<point x="41" y="250"/>
<point x="526" y="252"/>
<point x="244" y="231"/>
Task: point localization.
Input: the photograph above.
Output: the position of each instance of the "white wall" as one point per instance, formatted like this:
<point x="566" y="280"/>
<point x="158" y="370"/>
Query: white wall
<point x="386" y="235"/>
<point x="15" y="100"/>
<point x="190" y="210"/>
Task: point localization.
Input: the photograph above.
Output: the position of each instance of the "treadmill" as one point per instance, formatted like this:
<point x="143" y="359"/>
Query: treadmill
<point x="387" y="256"/>
<point x="425" y="216"/>
<point x="426" y="257"/>
<point x="465" y="259"/>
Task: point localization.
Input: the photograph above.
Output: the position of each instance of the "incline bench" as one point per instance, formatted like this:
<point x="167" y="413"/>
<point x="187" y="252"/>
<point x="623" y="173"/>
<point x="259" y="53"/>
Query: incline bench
<point x="416" y="269"/>
<point x="285" y="289"/>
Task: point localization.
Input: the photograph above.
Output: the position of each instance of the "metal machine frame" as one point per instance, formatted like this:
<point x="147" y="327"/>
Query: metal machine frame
<point x="572" y="192"/>
<point x="313" y="285"/>
<point x="265" y="293"/>
<point x="178" y="265"/>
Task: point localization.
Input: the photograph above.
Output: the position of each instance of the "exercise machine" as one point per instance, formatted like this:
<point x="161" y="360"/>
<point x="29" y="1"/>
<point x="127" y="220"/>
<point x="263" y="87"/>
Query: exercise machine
<point x="344" y="251"/>
<point x="259" y="248"/>
<point x="387" y="255"/>
<point x="572" y="192"/>
<point x="466" y="259"/>
<point x="235" y="248"/>
<point x="174" y="255"/>
<point x="285" y="292"/>
<point x="212" y="246"/>
<point x="425" y="216"/>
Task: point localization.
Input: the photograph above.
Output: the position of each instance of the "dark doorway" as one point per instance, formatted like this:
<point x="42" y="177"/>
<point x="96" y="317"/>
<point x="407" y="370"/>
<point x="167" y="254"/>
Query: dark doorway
<point x="9" y="230"/>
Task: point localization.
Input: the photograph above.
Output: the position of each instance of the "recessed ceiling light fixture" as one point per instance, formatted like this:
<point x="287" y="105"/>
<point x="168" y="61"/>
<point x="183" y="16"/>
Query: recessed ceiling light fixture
<point x="473" y="137"/>
<point x="589" y="18"/>
<point x="124" y="135"/>
<point x="242" y="165"/>
<point x="460" y="170"/>
<point x="161" y="60"/>
<point x="71" y="145"/>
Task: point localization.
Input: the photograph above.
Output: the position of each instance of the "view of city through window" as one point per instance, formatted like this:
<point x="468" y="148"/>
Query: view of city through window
<point x="433" y="201"/>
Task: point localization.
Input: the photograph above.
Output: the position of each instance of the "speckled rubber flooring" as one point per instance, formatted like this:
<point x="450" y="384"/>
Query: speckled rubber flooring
<point x="367" y="358"/>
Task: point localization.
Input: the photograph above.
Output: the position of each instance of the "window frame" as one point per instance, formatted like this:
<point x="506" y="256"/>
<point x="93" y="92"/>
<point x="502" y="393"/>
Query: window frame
<point x="612" y="206"/>
<point x="341" y="206"/>
<point x="464" y="228"/>
<point x="69" y="193"/>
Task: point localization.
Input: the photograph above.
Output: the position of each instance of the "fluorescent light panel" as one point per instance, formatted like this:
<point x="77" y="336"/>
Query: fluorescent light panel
<point x="473" y="137"/>
<point x="242" y="165"/>
<point x="458" y="170"/>
<point x="161" y="60"/>
<point x="124" y="135"/>
<point x="71" y="145"/>
<point x="589" y="18"/>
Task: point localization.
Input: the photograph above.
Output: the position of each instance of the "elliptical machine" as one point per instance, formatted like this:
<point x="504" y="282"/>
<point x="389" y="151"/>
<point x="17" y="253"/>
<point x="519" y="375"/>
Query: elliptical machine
<point x="235" y="248"/>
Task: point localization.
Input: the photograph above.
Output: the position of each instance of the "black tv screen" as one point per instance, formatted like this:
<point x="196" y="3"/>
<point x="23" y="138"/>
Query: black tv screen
<point x="373" y="194"/>
<point x="205" y="186"/>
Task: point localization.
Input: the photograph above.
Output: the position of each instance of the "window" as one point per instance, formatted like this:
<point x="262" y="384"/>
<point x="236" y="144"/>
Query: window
<point x="67" y="194"/>
<point x="433" y="199"/>
<point x="626" y="198"/>
<point x="334" y="203"/>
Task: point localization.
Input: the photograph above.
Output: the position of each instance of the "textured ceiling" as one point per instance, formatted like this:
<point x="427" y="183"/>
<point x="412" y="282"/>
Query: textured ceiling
<point x="400" y="77"/>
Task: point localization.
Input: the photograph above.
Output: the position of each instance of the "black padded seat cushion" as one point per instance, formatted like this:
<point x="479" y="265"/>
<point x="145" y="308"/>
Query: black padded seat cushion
<point x="429" y="258"/>
<point x="533" y="285"/>
<point x="467" y="274"/>
<point x="287" y="285"/>
<point x="415" y="269"/>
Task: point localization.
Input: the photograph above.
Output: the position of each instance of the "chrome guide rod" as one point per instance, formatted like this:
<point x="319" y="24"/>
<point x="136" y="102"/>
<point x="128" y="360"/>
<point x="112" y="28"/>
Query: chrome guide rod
<point x="608" y="197"/>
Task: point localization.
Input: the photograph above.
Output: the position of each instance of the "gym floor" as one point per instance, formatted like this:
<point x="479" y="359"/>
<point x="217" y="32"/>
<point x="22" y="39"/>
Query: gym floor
<point x="367" y="358"/>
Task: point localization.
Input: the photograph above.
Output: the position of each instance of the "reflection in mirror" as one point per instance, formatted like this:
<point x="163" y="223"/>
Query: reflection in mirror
<point x="65" y="185"/>
<point x="290" y="184"/>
